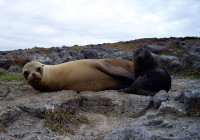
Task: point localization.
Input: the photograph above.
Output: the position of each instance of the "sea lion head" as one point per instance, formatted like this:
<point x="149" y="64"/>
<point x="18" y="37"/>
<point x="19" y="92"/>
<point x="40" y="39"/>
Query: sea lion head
<point x="33" y="72"/>
<point x="142" y="57"/>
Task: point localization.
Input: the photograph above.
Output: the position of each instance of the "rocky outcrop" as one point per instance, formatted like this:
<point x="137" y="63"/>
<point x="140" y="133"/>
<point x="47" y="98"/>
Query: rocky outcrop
<point x="174" y="53"/>
<point x="113" y="115"/>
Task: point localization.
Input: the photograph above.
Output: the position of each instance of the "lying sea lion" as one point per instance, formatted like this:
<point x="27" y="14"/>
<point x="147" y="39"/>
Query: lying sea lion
<point x="80" y="75"/>
<point x="150" y="76"/>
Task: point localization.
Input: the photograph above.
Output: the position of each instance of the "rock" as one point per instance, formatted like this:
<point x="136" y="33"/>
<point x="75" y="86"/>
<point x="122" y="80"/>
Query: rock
<point x="160" y="97"/>
<point x="175" y="64"/>
<point x="61" y="99"/>
<point x="131" y="133"/>
<point x="14" y="69"/>
<point x="55" y="58"/>
<point x="2" y="62"/>
<point x="128" y="56"/>
<point x="113" y="103"/>
<point x="4" y="90"/>
<point x="107" y="55"/>
<point x="196" y="65"/>
<point x="159" y="122"/>
<point x="174" y="42"/>
<point x="156" y="49"/>
<point x="91" y="54"/>
<point x="7" y="61"/>
<point x="195" y="48"/>
<point x="80" y="56"/>
<point x="163" y="59"/>
<point x="184" y="47"/>
<point x="193" y="57"/>
<point x="44" y="59"/>
<point x="2" y="69"/>
<point x="191" y="98"/>
<point x="174" y="108"/>
<point x="67" y="59"/>
<point x="8" y="115"/>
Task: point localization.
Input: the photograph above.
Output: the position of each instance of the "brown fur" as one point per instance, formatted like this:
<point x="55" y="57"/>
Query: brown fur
<point x="80" y="75"/>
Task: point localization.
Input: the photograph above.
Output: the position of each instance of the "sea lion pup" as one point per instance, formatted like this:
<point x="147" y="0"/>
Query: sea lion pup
<point x="80" y="75"/>
<point x="150" y="76"/>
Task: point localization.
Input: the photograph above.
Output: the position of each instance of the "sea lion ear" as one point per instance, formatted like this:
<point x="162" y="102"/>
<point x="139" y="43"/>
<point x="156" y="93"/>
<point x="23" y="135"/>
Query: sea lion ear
<point x="43" y="65"/>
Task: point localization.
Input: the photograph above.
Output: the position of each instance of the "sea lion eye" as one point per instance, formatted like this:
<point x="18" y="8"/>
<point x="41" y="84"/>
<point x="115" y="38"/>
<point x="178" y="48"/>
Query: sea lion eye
<point x="26" y="74"/>
<point x="39" y="69"/>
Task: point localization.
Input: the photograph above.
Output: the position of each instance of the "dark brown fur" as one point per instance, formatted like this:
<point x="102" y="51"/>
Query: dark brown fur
<point x="150" y="76"/>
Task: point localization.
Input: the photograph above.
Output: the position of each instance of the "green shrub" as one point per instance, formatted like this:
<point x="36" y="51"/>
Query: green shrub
<point x="9" y="77"/>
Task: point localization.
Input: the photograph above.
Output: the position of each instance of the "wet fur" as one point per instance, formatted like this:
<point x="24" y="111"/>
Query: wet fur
<point x="150" y="76"/>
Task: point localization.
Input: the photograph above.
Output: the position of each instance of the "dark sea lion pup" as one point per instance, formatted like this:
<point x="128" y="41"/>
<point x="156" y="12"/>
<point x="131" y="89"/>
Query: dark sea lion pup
<point x="150" y="76"/>
<point x="80" y="75"/>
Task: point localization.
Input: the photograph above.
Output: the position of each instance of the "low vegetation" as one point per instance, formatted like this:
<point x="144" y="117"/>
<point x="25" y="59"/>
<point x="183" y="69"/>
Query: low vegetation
<point x="78" y="48"/>
<point x="2" y="127"/>
<point x="10" y="77"/>
<point x="62" y="120"/>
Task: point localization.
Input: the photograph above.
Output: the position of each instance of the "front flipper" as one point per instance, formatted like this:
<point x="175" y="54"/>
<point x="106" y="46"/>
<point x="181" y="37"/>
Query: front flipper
<point x="114" y="71"/>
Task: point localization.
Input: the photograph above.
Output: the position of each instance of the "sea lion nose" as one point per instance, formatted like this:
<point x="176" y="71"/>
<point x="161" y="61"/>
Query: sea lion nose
<point x="33" y="74"/>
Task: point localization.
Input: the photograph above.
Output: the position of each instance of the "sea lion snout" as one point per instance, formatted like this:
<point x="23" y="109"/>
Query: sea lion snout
<point x="33" y="74"/>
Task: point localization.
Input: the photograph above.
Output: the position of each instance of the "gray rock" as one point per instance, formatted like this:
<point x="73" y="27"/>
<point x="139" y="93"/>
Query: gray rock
<point x="128" y="56"/>
<point x="2" y="62"/>
<point x="62" y="99"/>
<point x="131" y="133"/>
<point x="80" y="56"/>
<point x="4" y="90"/>
<point x="2" y="69"/>
<point x="159" y="122"/>
<point x="196" y="65"/>
<point x="174" y="42"/>
<point x="160" y="97"/>
<point x="195" y="48"/>
<point x="156" y="49"/>
<point x="67" y="59"/>
<point x="172" y="107"/>
<point x="184" y="47"/>
<point x="73" y="53"/>
<point x="107" y="55"/>
<point x="42" y="58"/>
<point x="114" y="103"/>
<point x="175" y="64"/>
<point x="193" y="57"/>
<point x="91" y="54"/>
<point x="8" y="115"/>
<point x="167" y="58"/>
<point x="14" y="69"/>
<point x="7" y="61"/>
<point x="191" y="98"/>
<point x="55" y="58"/>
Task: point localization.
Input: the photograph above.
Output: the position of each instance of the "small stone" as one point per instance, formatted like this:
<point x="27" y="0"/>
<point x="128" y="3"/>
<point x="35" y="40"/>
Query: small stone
<point x="4" y="90"/>
<point x="196" y="65"/>
<point x="160" y="97"/>
<point x="172" y="107"/>
<point x="14" y="69"/>
<point x="175" y="64"/>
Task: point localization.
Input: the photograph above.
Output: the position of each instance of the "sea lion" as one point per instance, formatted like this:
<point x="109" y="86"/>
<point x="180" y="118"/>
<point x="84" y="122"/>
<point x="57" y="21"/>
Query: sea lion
<point x="80" y="75"/>
<point x="150" y="76"/>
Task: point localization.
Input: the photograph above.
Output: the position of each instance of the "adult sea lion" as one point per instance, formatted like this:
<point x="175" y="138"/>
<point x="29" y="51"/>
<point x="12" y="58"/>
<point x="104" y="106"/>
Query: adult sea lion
<point x="80" y="75"/>
<point x="150" y="76"/>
